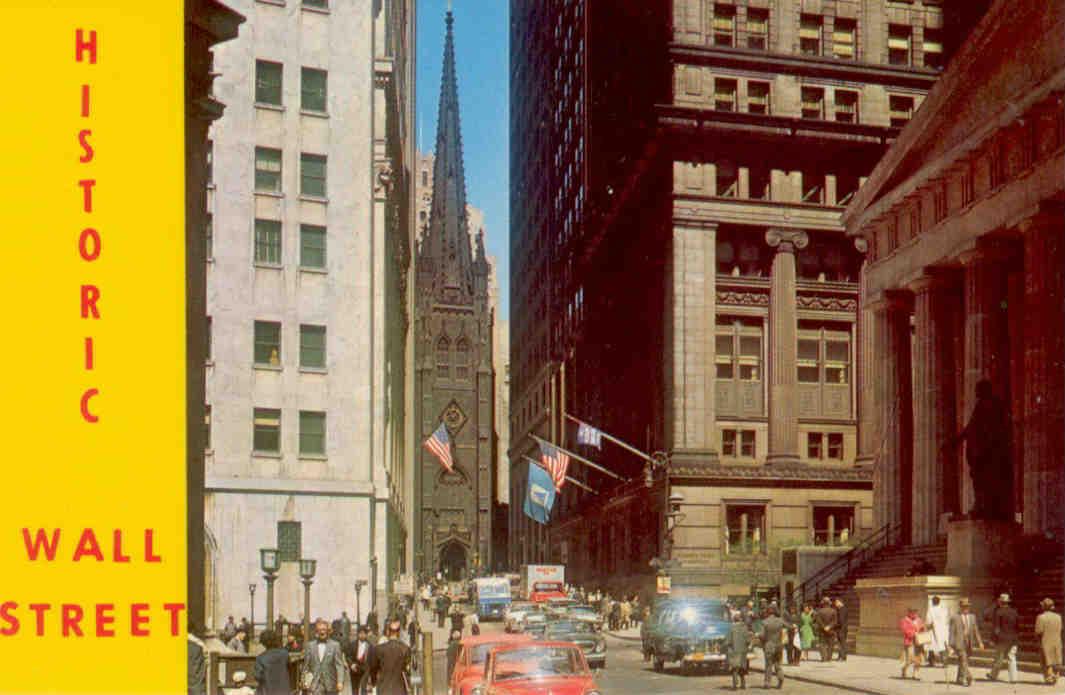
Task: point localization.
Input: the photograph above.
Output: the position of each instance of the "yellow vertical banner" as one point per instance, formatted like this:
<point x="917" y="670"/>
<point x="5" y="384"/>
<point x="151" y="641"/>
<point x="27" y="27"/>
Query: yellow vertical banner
<point x="92" y="530"/>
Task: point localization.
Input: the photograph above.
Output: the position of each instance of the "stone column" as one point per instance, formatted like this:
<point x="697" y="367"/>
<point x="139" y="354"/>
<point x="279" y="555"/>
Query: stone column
<point x="783" y="347"/>
<point x="892" y="459"/>
<point x="1044" y="384"/>
<point x="868" y="348"/>
<point x="933" y="401"/>
<point x="986" y="336"/>
<point x="690" y="319"/>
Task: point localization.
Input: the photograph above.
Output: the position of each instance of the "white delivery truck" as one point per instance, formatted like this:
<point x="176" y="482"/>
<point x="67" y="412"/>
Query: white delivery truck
<point x="540" y="583"/>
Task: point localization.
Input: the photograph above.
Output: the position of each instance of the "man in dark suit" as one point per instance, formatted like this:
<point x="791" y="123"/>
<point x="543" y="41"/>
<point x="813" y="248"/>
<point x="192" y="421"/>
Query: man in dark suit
<point x="359" y="655"/>
<point x="389" y="664"/>
<point x="323" y="663"/>
<point x="841" y="630"/>
<point x="826" y="622"/>
<point x="1007" y="639"/>
<point x="964" y="637"/>
<point x="271" y="667"/>
<point x="774" y="632"/>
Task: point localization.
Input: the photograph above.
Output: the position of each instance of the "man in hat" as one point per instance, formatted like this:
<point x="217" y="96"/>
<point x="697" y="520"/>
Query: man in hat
<point x="841" y="631"/>
<point x="774" y="632"/>
<point x="1048" y="630"/>
<point x="1007" y="639"/>
<point x="390" y="664"/>
<point x="964" y="635"/>
<point x="825" y="622"/>
<point x="240" y="685"/>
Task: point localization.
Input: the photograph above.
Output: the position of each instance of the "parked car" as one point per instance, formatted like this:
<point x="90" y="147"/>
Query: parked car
<point x="592" y="643"/>
<point x="516" y="613"/>
<point x="469" y="668"/>
<point x="541" y="668"/>
<point x="534" y="623"/>
<point x="689" y="631"/>
<point x="585" y="614"/>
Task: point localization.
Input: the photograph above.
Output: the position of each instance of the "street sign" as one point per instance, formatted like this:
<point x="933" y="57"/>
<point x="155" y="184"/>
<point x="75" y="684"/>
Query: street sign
<point x="403" y="585"/>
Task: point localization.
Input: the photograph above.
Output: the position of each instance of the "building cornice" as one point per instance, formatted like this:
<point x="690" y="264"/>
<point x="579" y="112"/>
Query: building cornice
<point x="771" y="127"/>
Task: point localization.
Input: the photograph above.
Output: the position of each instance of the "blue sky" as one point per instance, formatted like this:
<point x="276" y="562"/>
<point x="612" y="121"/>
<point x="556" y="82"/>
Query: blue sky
<point x="482" y="59"/>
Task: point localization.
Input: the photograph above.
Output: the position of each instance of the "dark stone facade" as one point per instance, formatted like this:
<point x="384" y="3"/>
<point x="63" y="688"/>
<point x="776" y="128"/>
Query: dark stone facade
<point x="453" y="357"/>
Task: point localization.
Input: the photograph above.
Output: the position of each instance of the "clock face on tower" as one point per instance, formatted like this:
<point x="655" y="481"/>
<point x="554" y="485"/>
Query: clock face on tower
<point x="453" y="417"/>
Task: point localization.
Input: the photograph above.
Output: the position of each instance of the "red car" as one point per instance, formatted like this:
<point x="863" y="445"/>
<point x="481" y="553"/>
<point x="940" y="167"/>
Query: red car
<point x="469" y="668"/>
<point x="538" y="668"/>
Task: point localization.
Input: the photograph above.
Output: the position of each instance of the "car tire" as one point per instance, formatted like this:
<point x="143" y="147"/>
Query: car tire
<point x="659" y="665"/>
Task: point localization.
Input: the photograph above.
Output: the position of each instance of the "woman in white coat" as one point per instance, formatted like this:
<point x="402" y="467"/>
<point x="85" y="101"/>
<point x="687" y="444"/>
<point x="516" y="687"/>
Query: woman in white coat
<point x="937" y="620"/>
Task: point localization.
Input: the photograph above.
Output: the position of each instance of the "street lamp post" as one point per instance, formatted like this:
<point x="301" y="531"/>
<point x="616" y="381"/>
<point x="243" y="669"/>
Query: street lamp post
<point x="359" y="583"/>
<point x="251" y="591"/>
<point x="307" y="568"/>
<point x="373" y="584"/>
<point x="673" y="517"/>
<point x="270" y="563"/>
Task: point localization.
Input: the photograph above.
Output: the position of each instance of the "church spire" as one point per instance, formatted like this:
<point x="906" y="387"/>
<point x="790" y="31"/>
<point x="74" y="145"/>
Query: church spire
<point x="447" y="241"/>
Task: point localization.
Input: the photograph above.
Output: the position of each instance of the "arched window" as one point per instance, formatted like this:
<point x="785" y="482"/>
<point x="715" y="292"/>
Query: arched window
<point x="462" y="359"/>
<point x="443" y="361"/>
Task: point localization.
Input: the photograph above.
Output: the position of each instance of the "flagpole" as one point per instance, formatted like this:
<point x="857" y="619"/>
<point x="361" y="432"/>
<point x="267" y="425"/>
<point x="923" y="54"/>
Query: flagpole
<point x="568" y="479"/>
<point x="622" y="444"/>
<point x="583" y="460"/>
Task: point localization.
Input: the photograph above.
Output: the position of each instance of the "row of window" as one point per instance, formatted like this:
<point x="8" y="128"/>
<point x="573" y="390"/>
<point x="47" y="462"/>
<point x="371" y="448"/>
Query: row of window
<point x="445" y="360"/>
<point x="823" y="354"/>
<point x="268" y="170"/>
<point x="815" y="39"/>
<point x="269" y="80"/>
<point x="268" y="248"/>
<point x="267" y="345"/>
<point x="266" y="431"/>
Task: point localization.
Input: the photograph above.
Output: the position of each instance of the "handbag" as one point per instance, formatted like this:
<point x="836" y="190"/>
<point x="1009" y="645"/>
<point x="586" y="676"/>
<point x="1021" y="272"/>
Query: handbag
<point x="922" y="639"/>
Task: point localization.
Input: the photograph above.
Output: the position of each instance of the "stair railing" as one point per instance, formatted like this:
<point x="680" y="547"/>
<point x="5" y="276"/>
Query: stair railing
<point x="884" y="537"/>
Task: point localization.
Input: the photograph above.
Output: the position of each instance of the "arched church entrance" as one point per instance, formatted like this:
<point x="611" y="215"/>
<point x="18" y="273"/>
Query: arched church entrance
<point x="453" y="561"/>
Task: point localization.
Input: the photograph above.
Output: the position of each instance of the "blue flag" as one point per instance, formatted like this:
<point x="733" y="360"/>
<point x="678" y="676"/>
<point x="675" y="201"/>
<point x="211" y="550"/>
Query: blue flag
<point x="540" y="497"/>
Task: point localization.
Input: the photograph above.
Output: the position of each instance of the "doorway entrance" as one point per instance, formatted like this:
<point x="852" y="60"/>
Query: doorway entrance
<point x="453" y="561"/>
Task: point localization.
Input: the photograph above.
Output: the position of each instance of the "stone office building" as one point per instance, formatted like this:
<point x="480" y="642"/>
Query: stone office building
<point x="455" y="379"/>
<point x="965" y="282"/>
<point x="701" y="296"/>
<point x="310" y="232"/>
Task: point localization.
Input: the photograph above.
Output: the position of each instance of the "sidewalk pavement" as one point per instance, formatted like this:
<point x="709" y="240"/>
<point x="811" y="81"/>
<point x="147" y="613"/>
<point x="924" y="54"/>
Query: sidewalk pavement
<point x="427" y="620"/>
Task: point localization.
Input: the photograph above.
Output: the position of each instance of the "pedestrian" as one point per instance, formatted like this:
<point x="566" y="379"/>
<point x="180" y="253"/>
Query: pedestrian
<point x="413" y="630"/>
<point x="791" y="648"/>
<point x="841" y="634"/>
<point x="271" y="667"/>
<point x="454" y="647"/>
<point x="245" y="625"/>
<point x="774" y="633"/>
<point x="825" y="621"/>
<point x="1048" y="630"/>
<point x="964" y="636"/>
<point x="474" y="623"/>
<point x="324" y="666"/>
<point x="910" y="625"/>
<point x="229" y="629"/>
<point x="806" y="631"/>
<point x="390" y="663"/>
<point x="236" y="642"/>
<point x="748" y="615"/>
<point x="1005" y="632"/>
<point x="458" y="620"/>
<point x="737" y="644"/>
<point x="626" y="614"/>
<point x="441" y="609"/>
<point x="240" y="685"/>
<point x="359" y="656"/>
<point x="937" y="620"/>
<point x="345" y="628"/>
<point x="197" y="667"/>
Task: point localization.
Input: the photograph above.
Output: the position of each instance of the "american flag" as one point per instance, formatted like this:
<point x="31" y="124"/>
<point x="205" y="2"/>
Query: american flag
<point x="439" y="445"/>
<point x="556" y="462"/>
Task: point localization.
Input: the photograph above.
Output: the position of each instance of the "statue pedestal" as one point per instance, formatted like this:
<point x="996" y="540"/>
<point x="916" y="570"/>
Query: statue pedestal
<point x="978" y="548"/>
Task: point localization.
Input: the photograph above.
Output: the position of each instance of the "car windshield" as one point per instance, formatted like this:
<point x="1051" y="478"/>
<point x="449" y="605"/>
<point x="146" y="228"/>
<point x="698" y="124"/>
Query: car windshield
<point x="480" y="653"/>
<point x="537" y="662"/>
<point x="564" y="626"/>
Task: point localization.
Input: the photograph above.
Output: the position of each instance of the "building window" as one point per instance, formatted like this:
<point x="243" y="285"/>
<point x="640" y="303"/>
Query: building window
<point x="813" y="187"/>
<point x="312" y="433"/>
<point x="899" y="44"/>
<point x="846" y="106"/>
<point x="724" y="25"/>
<point x="462" y="359"/>
<point x="289" y="541"/>
<point x="757" y="29"/>
<point x="210" y="337"/>
<point x="443" y="358"/>
<point x="833" y="524"/>
<point x="312" y="175"/>
<point x="738" y="443"/>
<point x="939" y="199"/>
<point x="844" y="32"/>
<point x="824" y="356"/>
<point x="821" y="446"/>
<point x="745" y="529"/>
<point x="267" y="82"/>
<point x="267" y="436"/>
<point x="739" y="351"/>
<point x="267" y="169"/>
<point x="207" y="428"/>
<point x="312" y="246"/>
<point x="312" y="346"/>
<point x="901" y="110"/>
<point x="810" y="34"/>
<point x="268" y="343"/>
<point x="759" y="184"/>
<point x="933" y="49"/>
<point x="313" y="91"/>
<point x="317" y="4"/>
<point x="268" y="242"/>
<point x="208" y="235"/>
<point x="724" y="94"/>
<point x="813" y="103"/>
<point x="758" y="97"/>
<point x="728" y="180"/>
<point x="692" y="80"/>
<point x="210" y="162"/>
